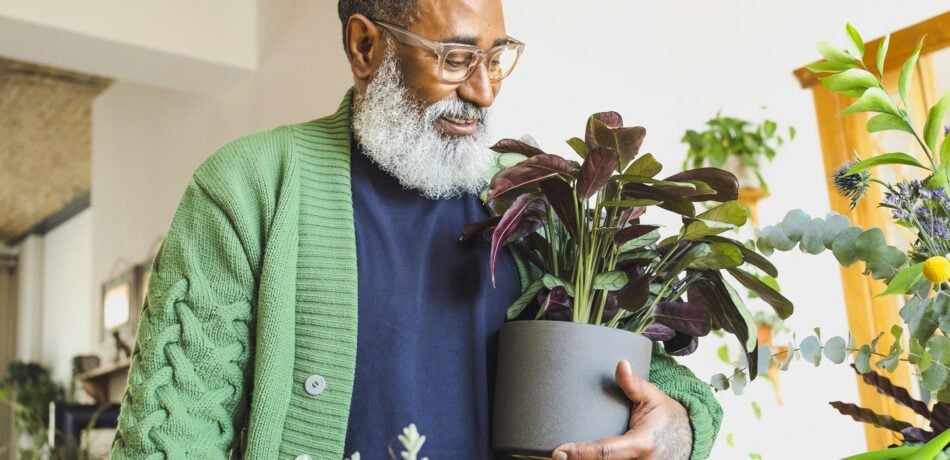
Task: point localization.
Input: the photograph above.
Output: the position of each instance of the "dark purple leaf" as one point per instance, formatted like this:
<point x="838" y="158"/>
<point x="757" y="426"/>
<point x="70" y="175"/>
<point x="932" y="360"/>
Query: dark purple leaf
<point x="940" y="417"/>
<point x="471" y="230"/>
<point x="681" y="345"/>
<point x="606" y="130"/>
<point x="669" y="201"/>
<point x="861" y="414"/>
<point x="561" y="197"/>
<point x="516" y="146"/>
<point x="723" y="182"/>
<point x="508" y="225"/>
<point x="632" y="232"/>
<point x="684" y="317"/>
<point x="557" y="305"/>
<point x="635" y="293"/>
<point x="611" y="306"/>
<point x="658" y="333"/>
<point x="531" y="171"/>
<point x="710" y="293"/>
<point x="595" y="171"/>
<point x="914" y="434"/>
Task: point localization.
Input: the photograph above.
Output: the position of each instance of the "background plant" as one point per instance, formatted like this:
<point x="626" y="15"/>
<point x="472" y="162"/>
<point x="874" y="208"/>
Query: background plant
<point x="28" y="389"/>
<point x="749" y="143"/>
<point x="579" y="228"/>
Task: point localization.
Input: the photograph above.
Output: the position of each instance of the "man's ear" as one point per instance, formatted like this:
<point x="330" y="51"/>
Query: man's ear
<point x="364" y="46"/>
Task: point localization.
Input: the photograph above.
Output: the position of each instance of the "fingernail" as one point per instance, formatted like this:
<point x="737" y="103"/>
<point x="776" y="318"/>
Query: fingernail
<point x="560" y="455"/>
<point x="627" y="364"/>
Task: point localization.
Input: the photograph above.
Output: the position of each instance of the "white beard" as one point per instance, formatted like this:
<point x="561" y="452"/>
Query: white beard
<point x="402" y="138"/>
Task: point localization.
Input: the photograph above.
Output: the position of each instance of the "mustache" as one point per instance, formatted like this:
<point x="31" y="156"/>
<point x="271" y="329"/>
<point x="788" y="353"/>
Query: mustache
<point x="457" y="108"/>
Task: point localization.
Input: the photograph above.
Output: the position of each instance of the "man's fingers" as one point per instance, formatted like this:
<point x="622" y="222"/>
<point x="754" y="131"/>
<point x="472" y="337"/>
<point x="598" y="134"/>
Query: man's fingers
<point x="615" y="448"/>
<point x="636" y="388"/>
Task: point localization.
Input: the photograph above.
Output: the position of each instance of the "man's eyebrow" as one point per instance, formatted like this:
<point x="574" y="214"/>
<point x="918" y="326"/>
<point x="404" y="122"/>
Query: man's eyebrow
<point x="469" y="40"/>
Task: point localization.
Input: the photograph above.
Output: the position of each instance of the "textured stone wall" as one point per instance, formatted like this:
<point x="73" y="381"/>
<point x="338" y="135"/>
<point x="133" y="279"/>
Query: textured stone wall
<point x="45" y="142"/>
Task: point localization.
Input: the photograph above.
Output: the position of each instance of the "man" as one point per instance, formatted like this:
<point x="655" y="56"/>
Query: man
<point x="289" y="242"/>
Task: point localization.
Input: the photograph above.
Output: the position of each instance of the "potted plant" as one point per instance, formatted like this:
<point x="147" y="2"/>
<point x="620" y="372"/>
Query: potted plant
<point x="608" y="281"/>
<point x="921" y="272"/>
<point x="737" y="145"/>
<point x="28" y="390"/>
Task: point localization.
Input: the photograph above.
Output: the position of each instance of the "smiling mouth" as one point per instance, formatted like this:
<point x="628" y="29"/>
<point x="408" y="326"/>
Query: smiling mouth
<point x="454" y="126"/>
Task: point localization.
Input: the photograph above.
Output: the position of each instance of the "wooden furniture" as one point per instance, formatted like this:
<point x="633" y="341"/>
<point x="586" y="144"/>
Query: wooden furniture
<point x="98" y="382"/>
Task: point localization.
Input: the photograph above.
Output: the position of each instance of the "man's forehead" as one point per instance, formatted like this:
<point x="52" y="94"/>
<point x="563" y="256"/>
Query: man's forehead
<point x="475" y="22"/>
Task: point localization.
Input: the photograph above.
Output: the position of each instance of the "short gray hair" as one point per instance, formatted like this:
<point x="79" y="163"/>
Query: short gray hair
<point x="401" y="13"/>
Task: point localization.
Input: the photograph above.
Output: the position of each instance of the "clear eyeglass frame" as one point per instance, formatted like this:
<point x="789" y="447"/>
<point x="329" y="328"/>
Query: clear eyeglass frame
<point x="457" y="61"/>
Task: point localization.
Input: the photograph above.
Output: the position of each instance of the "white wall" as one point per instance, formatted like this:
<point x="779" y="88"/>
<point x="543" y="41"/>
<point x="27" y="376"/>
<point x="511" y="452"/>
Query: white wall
<point x="205" y="50"/>
<point x="68" y="295"/>
<point x="668" y="66"/>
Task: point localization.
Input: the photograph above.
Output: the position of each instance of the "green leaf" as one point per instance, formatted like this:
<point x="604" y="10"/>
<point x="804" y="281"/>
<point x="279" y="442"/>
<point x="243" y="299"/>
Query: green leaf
<point x="873" y="100"/>
<point x="862" y="362"/>
<point x="936" y="376"/>
<point x="856" y="40"/>
<point x="903" y="83"/>
<point x="730" y="212"/>
<point x="881" y="52"/>
<point x="829" y="67"/>
<point x="920" y="316"/>
<point x="843" y="246"/>
<point x="886" y="122"/>
<point x="835" y="350"/>
<point x="751" y="327"/>
<point x="729" y="441"/>
<point x="640" y="241"/>
<point x="789" y="356"/>
<point x="720" y="256"/>
<point x="550" y="281"/>
<point x="852" y="82"/>
<point x="611" y="281"/>
<point x="723" y="353"/>
<point x="945" y="152"/>
<point x="699" y="229"/>
<point x="894" y="158"/>
<point x="812" y="242"/>
<point x="522" y="301"/>
<point x="579" y="146"/>
<point x="939" y="179"/>
<point x="739" y="381"/>
<point x="793" y="225"/>
<point x="630" y="203"/>
<point x="811" y="350"/>
<point x="833" y="54"/>
<point x="902" y="283"/>
<point x="720" y="382"/>
<point x="935" y="121"/>
<point x="645" y="165"/>
<point x="507" y="160"/>
<point x="756" y="410"/>
<point x="834" y="224"/>
<point x="783" y="307"/>
<point x="791" y="133"/>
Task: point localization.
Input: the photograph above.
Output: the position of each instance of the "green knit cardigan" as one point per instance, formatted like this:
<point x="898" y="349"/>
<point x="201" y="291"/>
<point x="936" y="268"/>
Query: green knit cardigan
<point x="253" y="291"/>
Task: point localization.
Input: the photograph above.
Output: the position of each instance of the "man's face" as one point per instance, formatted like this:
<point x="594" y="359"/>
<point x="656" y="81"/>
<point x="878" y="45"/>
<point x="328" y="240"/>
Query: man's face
<point x="471" y="22"/>
<point x="428" y="134"/>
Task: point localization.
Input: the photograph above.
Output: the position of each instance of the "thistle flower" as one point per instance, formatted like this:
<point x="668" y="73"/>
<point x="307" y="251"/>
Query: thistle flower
<point x="852" y="186"/>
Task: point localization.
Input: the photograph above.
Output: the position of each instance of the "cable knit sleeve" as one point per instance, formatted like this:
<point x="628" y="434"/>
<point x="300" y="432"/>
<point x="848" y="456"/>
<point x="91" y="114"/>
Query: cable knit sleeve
<point x="677" y="381"/>
<point x="187" y="389"/>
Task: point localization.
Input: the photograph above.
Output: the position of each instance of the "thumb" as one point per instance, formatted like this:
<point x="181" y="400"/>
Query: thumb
<point x="636" y="388"/>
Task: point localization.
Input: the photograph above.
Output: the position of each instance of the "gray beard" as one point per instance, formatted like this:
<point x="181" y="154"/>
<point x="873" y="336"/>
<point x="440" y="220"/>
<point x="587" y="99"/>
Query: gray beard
<point x="402" y="138"/>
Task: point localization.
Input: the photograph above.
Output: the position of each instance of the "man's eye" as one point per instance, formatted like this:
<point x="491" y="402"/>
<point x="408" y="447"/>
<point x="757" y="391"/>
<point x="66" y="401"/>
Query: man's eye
<point x="456" y="63"/>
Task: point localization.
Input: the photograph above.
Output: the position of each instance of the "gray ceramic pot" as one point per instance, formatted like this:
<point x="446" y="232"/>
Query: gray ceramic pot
<point x="555" y="384"/>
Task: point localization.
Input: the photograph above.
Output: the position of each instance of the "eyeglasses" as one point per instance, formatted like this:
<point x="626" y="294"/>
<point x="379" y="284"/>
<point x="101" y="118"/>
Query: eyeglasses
<point x="457" y="62"/>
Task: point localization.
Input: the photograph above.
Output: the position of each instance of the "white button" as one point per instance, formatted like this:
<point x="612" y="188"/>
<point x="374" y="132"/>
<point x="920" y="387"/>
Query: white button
<point x="303" y="457"/>
<point x="315" y="385"/>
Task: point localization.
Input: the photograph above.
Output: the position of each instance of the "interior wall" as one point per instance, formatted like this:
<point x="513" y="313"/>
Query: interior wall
<point x="664" y="65"/>
<point x="68" y="295"/>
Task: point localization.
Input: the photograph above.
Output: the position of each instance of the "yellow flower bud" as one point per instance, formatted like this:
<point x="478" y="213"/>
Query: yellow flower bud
<point x="937" y="269"/>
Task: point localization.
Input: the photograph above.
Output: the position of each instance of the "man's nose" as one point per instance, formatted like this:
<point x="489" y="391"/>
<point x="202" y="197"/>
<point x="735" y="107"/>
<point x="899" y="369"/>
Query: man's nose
<point x="478" y="89"/>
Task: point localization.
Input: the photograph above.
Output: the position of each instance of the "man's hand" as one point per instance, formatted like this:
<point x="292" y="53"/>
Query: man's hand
<point x="659" y="427"/>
